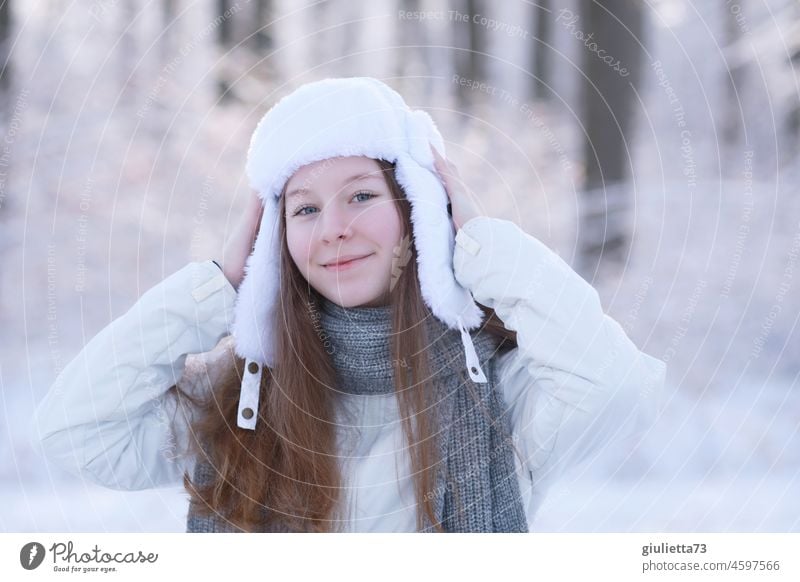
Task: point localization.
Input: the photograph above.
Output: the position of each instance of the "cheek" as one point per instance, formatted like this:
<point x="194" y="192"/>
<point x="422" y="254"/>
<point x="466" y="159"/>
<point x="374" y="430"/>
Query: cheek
<point x="383" y="225"/>
<point x="299" y="249"/>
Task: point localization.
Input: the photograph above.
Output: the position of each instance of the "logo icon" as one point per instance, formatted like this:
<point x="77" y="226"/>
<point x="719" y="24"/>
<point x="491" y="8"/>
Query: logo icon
<point x="401" y="255"/>
<point x="31" y="555"/>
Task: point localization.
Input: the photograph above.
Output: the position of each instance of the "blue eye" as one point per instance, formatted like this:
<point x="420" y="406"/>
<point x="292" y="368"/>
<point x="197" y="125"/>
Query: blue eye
<point x="370" y="195"/>
<point x="299" y="211"/>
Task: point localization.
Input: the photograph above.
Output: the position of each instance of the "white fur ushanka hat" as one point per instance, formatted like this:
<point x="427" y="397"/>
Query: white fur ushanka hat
<point x="356" y="116"/>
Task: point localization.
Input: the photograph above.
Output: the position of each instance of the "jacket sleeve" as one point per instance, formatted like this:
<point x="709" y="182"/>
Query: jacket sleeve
<point x="108" y="416"/>
<point x="575" y="382"/>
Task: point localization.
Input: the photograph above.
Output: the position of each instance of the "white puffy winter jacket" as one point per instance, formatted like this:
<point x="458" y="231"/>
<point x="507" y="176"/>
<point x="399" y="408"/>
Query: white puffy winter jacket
<point x="574" y="384"/>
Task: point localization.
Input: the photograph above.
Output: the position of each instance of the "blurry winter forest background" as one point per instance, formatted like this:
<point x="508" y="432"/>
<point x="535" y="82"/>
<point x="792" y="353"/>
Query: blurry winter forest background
<point x="654" y="144"/>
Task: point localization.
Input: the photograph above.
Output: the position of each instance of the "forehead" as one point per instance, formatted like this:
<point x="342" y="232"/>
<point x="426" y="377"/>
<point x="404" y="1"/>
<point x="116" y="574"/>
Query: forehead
<point x="333" y="172"/>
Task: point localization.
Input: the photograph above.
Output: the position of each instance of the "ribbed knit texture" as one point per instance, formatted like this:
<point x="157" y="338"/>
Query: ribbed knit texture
<point x="478" y="468"/>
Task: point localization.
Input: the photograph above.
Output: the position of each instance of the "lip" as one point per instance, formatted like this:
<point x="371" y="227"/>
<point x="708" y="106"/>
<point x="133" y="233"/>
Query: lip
<point x="347" y="262"/>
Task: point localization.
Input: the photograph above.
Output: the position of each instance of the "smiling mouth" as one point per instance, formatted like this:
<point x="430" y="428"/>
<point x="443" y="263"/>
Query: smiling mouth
<point x="347" y="264"/>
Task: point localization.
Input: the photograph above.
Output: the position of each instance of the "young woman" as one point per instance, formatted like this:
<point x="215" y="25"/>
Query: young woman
<point x="341" y="402"/>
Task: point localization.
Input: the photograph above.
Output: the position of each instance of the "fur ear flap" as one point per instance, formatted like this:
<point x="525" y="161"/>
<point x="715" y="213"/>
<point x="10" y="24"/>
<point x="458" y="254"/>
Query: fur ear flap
<point x="257" y="298"/>
<point x="434" y="241"/>
<point x="422" y="131"/>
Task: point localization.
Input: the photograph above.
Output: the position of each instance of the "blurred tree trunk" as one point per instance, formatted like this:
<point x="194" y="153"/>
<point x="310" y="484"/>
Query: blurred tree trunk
<point x="612" y="62"/>
<point x="793" y="118"/>
<point x="412" y="36"/>
<point x="5" y="52"/>
<point x="733" y="82"/>
<point x="167" y="40"/>
<point x="127" y="52"/>
<point x="225" y="28"/>
<point x="244" y="36"/>
<point x="470" y="38"/>
<point x="6" y="113"/>
<point x="224" y="41"/>
<point x="477" y="41"/>
<point x="543" y="25"/>
<point x="262" y="38"/>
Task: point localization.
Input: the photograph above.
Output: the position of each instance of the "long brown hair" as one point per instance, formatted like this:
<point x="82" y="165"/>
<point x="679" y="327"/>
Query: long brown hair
<point x="287" y="468"/>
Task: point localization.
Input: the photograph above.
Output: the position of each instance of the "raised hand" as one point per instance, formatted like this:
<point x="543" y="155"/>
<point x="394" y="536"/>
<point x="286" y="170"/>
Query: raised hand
<point x="463" y="205"/>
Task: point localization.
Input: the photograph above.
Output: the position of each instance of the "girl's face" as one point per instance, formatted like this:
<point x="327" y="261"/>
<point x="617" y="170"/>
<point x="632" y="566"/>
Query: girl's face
<point x="339" y="209"/>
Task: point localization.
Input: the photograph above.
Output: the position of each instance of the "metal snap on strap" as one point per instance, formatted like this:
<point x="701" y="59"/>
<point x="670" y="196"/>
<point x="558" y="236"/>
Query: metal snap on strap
<point x="473" y="365"/>
<point x="248" y="395"/>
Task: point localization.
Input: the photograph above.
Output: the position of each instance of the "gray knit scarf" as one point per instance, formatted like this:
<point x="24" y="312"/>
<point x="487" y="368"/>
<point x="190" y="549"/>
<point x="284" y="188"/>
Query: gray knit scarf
<point x="476" y="488"/>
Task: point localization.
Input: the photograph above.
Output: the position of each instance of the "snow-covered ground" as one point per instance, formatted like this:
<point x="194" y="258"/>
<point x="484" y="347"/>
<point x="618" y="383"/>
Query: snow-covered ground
<point x="121" y="176"/>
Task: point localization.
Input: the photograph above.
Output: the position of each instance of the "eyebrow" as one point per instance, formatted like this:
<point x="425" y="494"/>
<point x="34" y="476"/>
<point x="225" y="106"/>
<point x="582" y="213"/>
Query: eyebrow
<point x="350" y="180"/>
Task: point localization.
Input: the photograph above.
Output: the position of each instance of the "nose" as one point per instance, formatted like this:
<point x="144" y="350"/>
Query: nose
<point x="336" y="225"/>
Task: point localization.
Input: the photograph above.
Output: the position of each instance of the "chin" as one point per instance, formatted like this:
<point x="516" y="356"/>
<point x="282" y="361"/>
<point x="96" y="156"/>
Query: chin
<point x="358" y="300"/>
<point x="373" y="303"/>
